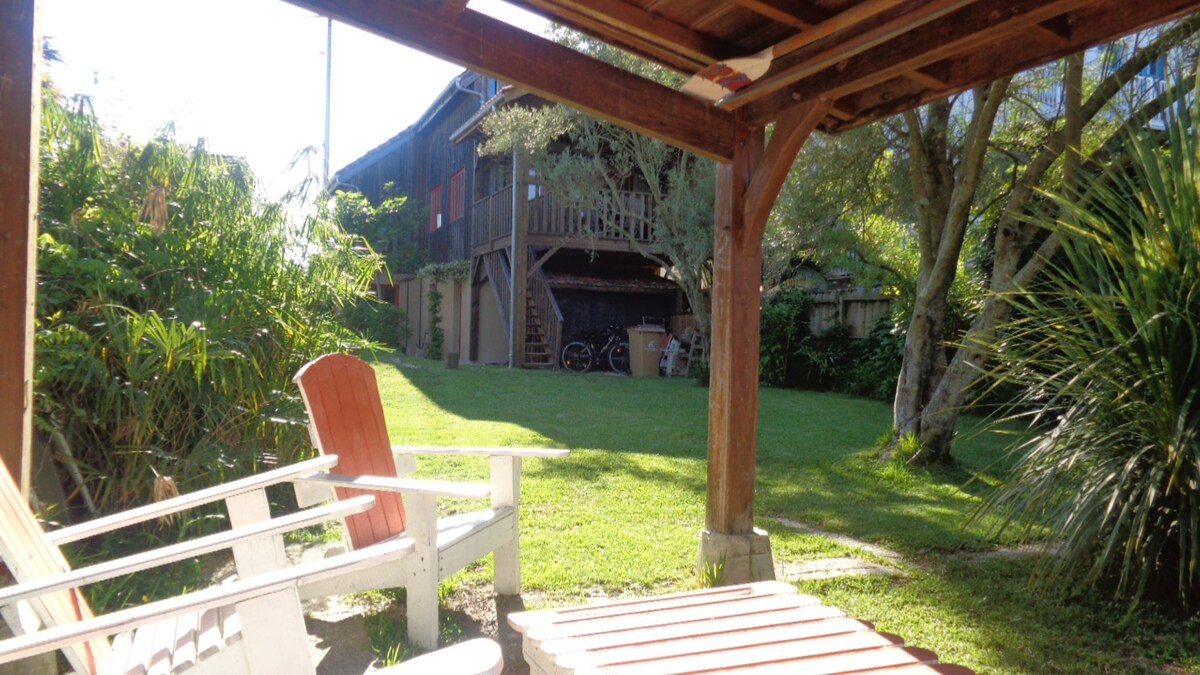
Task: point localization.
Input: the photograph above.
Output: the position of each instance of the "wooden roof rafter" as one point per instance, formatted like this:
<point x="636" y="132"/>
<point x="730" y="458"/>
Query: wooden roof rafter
<point x="795" y="14"/>
<point x="966" y="48"/>
<point x="640" y="31"/>
<point x="545" y="68"/>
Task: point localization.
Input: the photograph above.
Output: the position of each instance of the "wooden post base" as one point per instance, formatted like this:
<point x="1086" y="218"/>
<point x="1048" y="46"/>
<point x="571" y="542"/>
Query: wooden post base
<point x="736" y="558"/>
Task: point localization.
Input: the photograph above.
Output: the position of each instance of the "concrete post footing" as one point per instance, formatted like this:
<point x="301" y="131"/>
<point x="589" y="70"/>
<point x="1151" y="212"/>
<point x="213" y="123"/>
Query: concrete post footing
<point x="727" y="559"/>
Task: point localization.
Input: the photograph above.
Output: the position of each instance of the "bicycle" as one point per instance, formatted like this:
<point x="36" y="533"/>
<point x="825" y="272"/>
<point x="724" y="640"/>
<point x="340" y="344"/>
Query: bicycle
<point x="594" y="347"/>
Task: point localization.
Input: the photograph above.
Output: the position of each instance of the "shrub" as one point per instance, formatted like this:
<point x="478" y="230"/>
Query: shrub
<point x="173" y="310"/>
<point x="875" y="362"/>
<point x="377" y="321"/>
<point x="791" y="356"/>
<point x="1107" y="350"/>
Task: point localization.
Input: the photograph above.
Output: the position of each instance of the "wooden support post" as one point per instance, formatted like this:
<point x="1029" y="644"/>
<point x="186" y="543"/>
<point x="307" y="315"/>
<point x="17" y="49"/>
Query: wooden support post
<point x="519" y="260"/>
<point x="733" y="393"/>
<point x="746" y="190"/>
<point x="20" y="99"/>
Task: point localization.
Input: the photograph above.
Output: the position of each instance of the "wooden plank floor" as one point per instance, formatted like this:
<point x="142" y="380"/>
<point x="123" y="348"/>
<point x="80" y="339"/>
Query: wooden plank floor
<point x="764" y="627"/>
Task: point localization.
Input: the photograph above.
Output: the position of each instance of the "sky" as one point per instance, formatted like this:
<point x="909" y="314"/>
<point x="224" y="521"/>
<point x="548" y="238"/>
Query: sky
<point x="248" y="76"/>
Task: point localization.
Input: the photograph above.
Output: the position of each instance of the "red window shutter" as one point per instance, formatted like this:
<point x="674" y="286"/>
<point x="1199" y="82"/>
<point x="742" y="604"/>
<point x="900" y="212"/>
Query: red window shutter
<point x="435" y="208"/>
<point x="458" y="184"/>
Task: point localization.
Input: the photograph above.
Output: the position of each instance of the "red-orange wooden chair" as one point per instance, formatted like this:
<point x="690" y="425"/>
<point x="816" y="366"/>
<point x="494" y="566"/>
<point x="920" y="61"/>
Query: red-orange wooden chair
<point x="346" y="419"/>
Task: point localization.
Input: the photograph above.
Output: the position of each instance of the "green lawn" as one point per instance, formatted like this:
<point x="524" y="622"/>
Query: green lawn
<point x="623" y="513"/>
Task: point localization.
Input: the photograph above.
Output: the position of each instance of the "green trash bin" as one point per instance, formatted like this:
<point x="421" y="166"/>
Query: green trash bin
<point x="645" y="349"/>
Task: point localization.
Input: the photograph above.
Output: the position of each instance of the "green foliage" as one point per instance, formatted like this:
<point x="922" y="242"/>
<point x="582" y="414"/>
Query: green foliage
<point x="437" y="274"/>
<point x="1108" y="351"/>
<point x="174" y="308"/>
<point x="790" y="355"/>
<point x="784" y="326"/>
<point x="698" y="370"/>
<point x="876" y="362"/>
<point x="377" y="321"/>
<point x="437" y="335"/>
<point x="455" y="270"/>
<point x="391" y="229"/>
<point x="906" y="449"/>
<point x="711" y="575"/>
<point x="846" y="204"/>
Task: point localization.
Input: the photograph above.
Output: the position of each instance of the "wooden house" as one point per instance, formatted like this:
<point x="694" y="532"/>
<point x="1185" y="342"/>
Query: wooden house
<point x="540" y="268"/>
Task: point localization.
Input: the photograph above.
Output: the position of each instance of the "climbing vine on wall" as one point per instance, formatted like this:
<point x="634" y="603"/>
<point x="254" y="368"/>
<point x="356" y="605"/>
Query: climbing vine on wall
<point x="437" y="274"/>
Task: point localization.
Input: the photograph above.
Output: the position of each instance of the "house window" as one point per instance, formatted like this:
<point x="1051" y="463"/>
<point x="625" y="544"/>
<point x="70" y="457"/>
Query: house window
<point x="435" y="208"/>
<point x="458" y="183"/>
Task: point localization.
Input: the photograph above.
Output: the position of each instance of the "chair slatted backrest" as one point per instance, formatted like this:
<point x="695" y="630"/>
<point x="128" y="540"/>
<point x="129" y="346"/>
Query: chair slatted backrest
<point x="346" y="419"/>
<point x="29" y="557"/>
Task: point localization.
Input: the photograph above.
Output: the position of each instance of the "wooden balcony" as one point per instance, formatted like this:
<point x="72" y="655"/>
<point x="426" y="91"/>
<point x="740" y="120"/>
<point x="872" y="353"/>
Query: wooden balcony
<point x="556" y="222"/>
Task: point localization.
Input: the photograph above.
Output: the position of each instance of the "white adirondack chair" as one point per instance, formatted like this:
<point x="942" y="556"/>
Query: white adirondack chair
<point x="346" y="419"/>
<point x="252" y="625"/>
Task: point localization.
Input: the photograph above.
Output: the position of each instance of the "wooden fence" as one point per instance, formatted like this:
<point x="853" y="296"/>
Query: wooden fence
<point x="860" y="310"/>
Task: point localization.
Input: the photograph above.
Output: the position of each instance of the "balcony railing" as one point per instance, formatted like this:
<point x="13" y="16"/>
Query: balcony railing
<point x="548" y="215"/>
<point x="491" y="218"/>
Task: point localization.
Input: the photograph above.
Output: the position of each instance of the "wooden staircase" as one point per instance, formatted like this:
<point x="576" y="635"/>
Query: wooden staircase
<point x="538" y="353"/>
<point x="543" y="323"/>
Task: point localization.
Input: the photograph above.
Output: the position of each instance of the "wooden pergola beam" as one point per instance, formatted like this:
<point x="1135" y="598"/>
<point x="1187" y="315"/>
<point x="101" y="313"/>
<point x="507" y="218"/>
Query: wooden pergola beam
<point x="20" y="97"/>
<point x="547" y="69"/>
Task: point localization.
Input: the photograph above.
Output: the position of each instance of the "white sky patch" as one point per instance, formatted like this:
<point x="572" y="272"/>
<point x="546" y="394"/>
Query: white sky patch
<point x="246" y="75"/>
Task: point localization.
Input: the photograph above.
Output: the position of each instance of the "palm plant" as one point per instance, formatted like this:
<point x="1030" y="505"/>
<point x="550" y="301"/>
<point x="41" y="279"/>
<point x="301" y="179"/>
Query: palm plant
<point x="1107" y="350"/>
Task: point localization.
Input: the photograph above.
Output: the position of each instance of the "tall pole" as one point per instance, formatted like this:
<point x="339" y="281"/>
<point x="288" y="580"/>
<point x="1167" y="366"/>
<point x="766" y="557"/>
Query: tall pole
<point x="328" y="97"/>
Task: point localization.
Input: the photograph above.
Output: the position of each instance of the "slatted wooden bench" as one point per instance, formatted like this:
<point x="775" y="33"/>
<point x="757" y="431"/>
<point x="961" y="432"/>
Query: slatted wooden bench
<point x="761" y="628"/>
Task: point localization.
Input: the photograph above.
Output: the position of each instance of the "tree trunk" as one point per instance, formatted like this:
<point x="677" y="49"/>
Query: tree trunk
<point x="931" y="394"/>
<point x="944" y="188"/>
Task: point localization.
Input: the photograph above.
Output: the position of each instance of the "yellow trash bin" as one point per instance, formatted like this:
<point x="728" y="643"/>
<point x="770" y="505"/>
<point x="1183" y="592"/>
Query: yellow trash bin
<point x="645" y="349"/>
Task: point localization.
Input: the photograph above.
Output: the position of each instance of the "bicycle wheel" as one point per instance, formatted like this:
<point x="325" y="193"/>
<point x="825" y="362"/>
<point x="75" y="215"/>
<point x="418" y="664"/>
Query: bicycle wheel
<point x="577" y="357"/>
<point x="618" y="358"/>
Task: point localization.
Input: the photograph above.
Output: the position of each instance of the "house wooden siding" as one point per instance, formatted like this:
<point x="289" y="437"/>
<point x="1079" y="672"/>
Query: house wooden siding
<point x="422" y="157"/>
<point x="440" y="159"/>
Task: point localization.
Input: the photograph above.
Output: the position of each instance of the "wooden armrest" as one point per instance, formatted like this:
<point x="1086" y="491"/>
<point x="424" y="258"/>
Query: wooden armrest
<point x="434" y="488"/>
<point x="214" y="596"/>
<point x="184" y="550"/>
<point x="548" y="453"/>
<point x="189" y="500"/>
